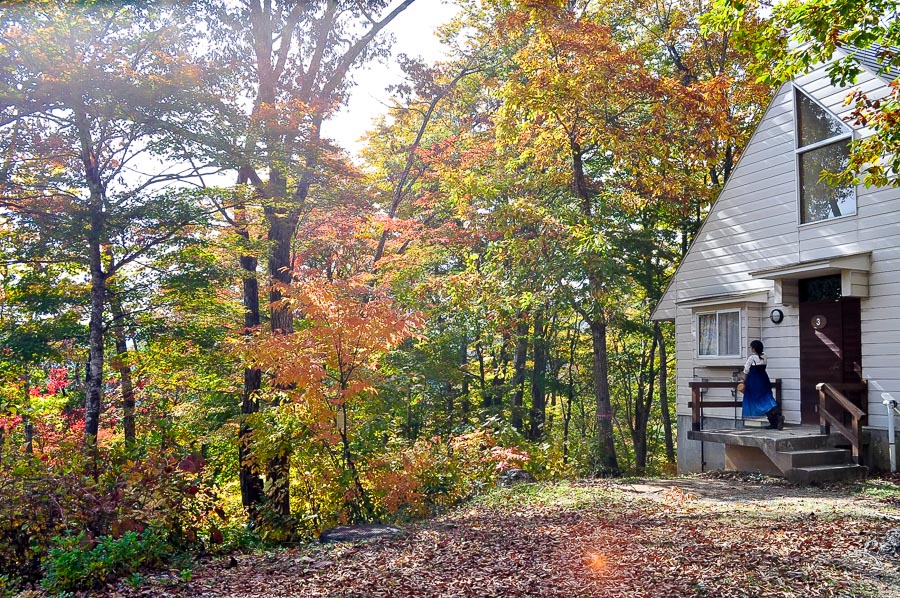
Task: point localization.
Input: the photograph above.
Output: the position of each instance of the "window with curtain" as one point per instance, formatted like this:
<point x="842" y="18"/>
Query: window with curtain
<point x="823" y="145"/>
<point x="719" y="333"/>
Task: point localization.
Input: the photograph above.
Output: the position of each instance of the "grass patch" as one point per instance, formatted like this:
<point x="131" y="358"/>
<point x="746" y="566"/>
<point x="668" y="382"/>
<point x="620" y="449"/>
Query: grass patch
<point x="562" y="494"/>
<point x="881" y="489"/>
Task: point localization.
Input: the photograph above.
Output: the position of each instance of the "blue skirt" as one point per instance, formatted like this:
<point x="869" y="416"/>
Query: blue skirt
<point x="758" y="399"/>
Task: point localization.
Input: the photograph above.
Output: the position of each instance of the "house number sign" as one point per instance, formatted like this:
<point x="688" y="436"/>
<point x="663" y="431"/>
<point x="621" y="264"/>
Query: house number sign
<point x="819" y="322"/>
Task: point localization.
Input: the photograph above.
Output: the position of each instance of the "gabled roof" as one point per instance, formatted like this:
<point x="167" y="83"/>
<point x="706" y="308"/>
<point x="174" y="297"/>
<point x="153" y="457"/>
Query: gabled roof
<point x="869" y="58"/>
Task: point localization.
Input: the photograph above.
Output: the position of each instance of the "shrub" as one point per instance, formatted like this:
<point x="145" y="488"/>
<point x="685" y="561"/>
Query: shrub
<point x="47" y="496"/>
<point x="76" y="563"/>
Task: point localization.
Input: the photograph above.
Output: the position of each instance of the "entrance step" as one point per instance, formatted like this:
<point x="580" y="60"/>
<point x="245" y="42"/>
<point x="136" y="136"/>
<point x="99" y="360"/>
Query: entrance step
<point x="756" y="422"/>
<point x="799" y="453"/>
<point x="827" y="473"/>
<point x="814" y="457"/>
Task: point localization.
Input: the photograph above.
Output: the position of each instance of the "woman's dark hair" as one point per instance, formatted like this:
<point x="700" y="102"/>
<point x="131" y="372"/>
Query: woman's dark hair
<point x="757" y="346"/>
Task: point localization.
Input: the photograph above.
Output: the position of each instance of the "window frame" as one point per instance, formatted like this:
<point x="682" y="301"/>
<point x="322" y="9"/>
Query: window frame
<point x="739" y="311"/>
<point x="847" y="137"/>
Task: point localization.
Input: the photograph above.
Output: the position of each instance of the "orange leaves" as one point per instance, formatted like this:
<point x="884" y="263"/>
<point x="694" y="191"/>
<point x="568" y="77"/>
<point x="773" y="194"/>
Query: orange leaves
<point x="345" y="328"/>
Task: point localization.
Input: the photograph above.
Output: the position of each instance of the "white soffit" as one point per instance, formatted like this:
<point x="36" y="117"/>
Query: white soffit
<point x="859" y="262"/>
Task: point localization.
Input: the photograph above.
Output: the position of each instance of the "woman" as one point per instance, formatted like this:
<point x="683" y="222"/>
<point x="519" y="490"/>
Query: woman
<point x="758" y="399"/>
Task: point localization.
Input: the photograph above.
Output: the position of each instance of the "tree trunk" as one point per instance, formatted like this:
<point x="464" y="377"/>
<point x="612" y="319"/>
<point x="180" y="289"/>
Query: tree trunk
<point x="281" y="234"/>
<point x="604" y="456"/>
<point x="26" y="417"/>
<point x="664" y="393"/>
<point x="570" y="392"/>
<point x="94" y="376"/>
<point x="248" y="472"/>
<point x="466" y="405"/>
<point x="515" y="408"/>
<point x="604" y="453"/>
<point x="124" y="369"/>
<point x="538" y="378"/>
<point x="449" y="406"/>
<point x="501" y="365"/>
<point x="642" y="407"/>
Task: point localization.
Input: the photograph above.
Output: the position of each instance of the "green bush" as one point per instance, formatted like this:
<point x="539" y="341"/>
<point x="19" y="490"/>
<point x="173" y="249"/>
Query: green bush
<point x="76" y="563"/>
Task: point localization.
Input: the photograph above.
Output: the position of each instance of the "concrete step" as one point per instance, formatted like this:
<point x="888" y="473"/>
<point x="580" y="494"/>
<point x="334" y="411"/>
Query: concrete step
<point x="813" y="457"/>
<point x="786" y="440"/>
<point x="827" y="473"/>
<point x="756" y="422"/>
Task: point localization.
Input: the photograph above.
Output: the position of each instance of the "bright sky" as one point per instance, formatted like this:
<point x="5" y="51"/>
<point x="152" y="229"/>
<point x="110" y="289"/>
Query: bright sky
<point x="414" y="34"/>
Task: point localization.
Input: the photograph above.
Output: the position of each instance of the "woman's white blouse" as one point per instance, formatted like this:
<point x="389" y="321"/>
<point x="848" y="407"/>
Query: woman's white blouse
<point x="754" y="359"/>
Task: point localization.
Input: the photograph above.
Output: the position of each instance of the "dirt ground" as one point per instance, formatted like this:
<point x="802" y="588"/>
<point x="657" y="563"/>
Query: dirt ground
<point x="693" y="536"/>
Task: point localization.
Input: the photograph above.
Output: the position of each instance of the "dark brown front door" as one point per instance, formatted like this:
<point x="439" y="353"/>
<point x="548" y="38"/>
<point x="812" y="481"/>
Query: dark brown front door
<point x="830" y="349"/>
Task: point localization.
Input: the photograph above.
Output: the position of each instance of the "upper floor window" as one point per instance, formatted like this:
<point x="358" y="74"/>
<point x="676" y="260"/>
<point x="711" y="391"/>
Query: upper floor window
<point x="823" y="144"/>
<point x="719" y="333"/>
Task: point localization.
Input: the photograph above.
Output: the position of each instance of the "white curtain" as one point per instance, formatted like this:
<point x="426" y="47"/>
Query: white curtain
<point x="707" y="333"/>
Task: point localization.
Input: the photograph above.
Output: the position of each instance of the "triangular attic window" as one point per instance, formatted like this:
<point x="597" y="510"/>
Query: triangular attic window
<point x="814" y="123"/>
<point x="823" y="145"/>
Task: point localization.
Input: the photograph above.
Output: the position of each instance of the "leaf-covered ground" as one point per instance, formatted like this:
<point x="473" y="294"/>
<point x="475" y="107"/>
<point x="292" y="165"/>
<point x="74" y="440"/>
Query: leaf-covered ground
<point x="702" y="536"/>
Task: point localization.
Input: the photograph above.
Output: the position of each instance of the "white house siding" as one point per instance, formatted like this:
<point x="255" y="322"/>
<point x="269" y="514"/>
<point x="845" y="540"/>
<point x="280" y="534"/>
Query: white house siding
<point x="754" y="225"/>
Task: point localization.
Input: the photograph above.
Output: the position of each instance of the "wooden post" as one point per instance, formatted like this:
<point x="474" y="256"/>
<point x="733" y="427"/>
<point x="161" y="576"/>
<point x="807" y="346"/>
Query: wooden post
<point x="824" y="426"/>
<point x="696" y="421"/>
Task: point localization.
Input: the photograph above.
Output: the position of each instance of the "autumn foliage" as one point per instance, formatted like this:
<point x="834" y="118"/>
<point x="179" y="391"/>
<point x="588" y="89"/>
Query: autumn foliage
<point x="220" y="331"/>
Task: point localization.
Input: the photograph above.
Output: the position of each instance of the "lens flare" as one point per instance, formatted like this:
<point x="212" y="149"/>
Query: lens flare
<point x="596" y="561"/>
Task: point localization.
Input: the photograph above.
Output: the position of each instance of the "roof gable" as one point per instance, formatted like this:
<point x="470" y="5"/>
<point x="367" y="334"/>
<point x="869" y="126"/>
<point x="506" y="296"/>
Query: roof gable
<point x="754" y="223"/>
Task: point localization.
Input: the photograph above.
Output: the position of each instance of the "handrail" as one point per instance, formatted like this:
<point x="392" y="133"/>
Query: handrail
<point x="827" y="419"/>
<point x="697" y="403"/>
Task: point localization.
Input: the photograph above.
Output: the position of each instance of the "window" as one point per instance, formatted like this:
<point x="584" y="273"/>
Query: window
<point x="823" y="144"/>
<point x="719" y="333"/>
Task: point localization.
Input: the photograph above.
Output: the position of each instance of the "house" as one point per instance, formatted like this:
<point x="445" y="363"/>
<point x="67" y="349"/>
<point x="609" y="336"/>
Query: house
<point x="811" y="270"/>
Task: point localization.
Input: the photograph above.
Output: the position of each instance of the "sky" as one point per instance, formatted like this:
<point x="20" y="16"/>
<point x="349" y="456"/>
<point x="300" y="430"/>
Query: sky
<point x="414" y="34"/>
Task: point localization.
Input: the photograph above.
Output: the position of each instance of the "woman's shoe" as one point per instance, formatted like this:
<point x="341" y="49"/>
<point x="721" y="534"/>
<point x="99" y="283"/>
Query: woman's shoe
<point x="780" y="424"/>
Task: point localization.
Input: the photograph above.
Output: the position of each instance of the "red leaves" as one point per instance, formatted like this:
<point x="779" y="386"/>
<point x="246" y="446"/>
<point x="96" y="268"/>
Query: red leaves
<point x="215" y="536"/>
<point x="192" y="464"/>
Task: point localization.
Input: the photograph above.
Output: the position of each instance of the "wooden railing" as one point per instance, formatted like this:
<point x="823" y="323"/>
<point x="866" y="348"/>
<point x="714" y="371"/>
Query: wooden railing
<point x="831" y="396"/>
<point x="697" y="403"/>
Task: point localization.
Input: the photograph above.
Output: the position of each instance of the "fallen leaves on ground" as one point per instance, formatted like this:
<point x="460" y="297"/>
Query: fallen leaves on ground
<point x="589" y="539"/>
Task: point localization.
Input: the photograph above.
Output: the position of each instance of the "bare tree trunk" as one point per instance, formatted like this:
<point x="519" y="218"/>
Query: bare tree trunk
<point x="604" y="453"/>
<point x="94" y="377"/>
<point x="664" y="393"/>
<point x="464" y="362"/>
<point x="538" y="378"/>
<point x="248" y="472"/>
<point x="642" y="406"/>
<point x="570" y="393"/>
<point x="123" y="368"/>
<point x="281" y="235"/>
<point x="605" y="462"/>
<point x="515" y="408"/>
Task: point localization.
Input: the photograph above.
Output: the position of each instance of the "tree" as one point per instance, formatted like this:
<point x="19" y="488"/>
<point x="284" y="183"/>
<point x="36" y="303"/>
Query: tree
<point x="89" y="96"/>
<point x="302" y="56"/>
<point x="801" y="35"/>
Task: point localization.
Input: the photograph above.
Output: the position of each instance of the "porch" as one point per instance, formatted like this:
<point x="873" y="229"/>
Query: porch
<point x="830" y="451"/>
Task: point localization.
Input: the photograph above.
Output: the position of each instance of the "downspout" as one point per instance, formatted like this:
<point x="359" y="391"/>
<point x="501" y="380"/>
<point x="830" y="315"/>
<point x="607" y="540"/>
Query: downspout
<point x="891" y="404"/>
